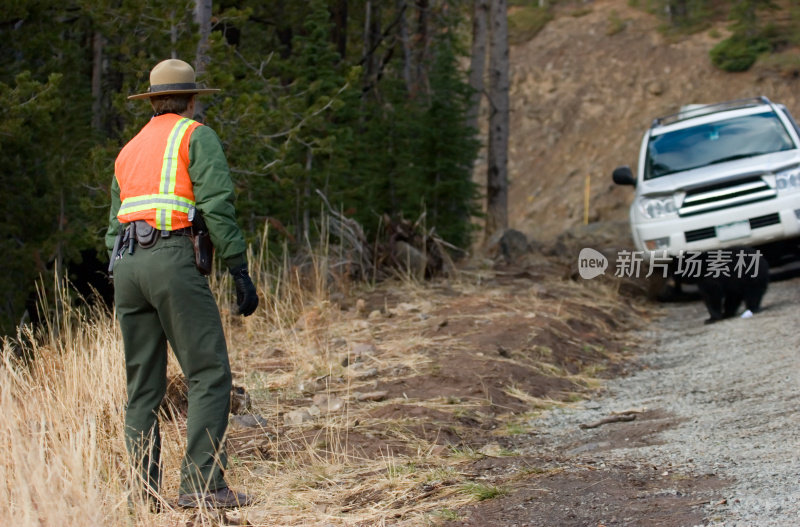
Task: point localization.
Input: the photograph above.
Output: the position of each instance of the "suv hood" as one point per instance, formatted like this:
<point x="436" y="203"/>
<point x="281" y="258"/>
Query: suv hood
<point x="712" y="174"/>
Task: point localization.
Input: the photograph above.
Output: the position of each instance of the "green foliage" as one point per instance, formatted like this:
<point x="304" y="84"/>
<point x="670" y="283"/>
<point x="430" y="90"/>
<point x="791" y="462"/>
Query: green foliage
<point x="755" y="31"/>
<point x="42" y="154"/>
<point x="751" y="37"/>
<point x="294" y="115"/>
<point x="28" y="235"/>
<point x="389" y="154"/>
<point x="745" y="16"/>
<point x="738" y="53"/>
<point x="786" y="64"/>
<point x="447" y="514"/>
<point x="580" y="12"/>
<point x="278" y="120"/>
<point x="515" y="429"/>
<point x="525" y="22"/>
<point x="426" y="154"/>
<point x="481" y="491"/>
<point x="615" y="23"/>
<point x="679" y="16"/>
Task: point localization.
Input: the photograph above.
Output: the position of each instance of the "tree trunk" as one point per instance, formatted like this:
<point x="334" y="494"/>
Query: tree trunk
<point x="307" y="195"/>
<point x="367" y="54"/>
<point x="750" y="17"/>
<point x="339" y="32"/>
<point x="372" y="39"/>
<point x="422" y="43"/>
<point x="678" y="12"/>
<point x="404" y="41"/>
<point x="97" y="81"/>
<point x="202" y="16"/>
<point x="173" y="35"/>
<point x="480" y="18"/>
<point x="497" y="177"/>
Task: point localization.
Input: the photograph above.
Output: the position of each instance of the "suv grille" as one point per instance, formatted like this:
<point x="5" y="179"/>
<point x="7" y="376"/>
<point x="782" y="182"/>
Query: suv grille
<point x="710" y="232"/>
<point x="700" y="234"/>
<point x="764" y="221"/>
<point x="726" y="195"/>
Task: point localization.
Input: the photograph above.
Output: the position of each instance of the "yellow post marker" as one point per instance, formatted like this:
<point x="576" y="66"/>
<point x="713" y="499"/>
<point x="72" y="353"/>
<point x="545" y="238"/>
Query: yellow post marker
<point x="587" y="191"/>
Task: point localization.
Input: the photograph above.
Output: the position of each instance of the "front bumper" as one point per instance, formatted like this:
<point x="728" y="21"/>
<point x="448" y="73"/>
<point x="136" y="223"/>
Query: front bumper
<point x="768" y="221"/>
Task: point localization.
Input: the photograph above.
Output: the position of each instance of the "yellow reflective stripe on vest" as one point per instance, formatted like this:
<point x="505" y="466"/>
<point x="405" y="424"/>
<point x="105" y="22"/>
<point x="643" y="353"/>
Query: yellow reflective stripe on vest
<point x="159" y="202"/>
<point x="169" y="171"/>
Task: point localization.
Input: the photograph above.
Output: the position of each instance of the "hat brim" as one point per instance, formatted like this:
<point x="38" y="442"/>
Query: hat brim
<point x="197" y="91"/>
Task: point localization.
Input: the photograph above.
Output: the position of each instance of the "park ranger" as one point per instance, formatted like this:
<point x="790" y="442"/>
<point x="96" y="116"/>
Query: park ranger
<point x="171" y="175"/>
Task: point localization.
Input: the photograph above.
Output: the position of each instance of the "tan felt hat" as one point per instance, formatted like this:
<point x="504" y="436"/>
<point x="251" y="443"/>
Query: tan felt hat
<point x="172" y="76"/>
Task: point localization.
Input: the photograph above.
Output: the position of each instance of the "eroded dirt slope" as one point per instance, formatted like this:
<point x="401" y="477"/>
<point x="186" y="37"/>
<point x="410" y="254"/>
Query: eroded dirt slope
<point x="583" y="94"/>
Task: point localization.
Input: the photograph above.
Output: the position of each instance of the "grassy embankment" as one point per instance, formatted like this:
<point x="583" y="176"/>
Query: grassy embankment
<point x="64" y="461"/>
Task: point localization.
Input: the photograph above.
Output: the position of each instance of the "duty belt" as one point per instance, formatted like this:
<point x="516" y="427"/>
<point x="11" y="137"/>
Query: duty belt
<point x="145" y="235"/>
<point x="186" y="231"/>
<point x="142" y="233"/>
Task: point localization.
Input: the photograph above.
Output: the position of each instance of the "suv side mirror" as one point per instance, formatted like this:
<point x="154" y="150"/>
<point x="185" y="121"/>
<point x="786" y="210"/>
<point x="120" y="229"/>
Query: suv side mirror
<point x="624" y="176"/>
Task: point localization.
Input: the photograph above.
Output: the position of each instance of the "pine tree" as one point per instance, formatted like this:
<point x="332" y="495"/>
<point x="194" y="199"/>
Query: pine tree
<point x="306" y="104"/>
<point x="45" y="116"/>
<point x="749" y="39"/>
<point x="31" y="194"/>
<point x="449" y="148"/>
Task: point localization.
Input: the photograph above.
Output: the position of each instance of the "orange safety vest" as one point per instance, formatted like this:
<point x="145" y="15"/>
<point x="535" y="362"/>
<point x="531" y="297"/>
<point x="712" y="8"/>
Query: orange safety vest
<point x="152" y="171"/>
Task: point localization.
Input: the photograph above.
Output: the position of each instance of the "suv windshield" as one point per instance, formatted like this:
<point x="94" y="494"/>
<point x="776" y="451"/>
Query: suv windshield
<point x="716" y="142"/>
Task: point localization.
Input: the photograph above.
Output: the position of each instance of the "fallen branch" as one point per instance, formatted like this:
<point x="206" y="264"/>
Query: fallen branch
<point x="630" y="411"/>
<point x="611" y="419"/>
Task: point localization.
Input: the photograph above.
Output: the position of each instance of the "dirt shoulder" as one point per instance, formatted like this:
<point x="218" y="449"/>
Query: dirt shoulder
<point x="713" y="441"/>
<point x="407" y="402"/>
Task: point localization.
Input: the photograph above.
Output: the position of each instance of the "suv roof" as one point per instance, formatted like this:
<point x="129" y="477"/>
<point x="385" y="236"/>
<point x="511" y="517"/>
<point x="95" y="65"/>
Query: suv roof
<point x="692" y="111"/>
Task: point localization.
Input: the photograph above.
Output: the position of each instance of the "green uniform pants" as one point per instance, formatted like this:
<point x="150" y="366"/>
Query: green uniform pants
<point x="160" y="296"/>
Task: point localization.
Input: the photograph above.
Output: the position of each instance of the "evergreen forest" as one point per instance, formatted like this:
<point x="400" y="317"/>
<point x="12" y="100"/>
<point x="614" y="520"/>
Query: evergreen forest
<point x="363" y="102"/>
<point x="370" y="104"/>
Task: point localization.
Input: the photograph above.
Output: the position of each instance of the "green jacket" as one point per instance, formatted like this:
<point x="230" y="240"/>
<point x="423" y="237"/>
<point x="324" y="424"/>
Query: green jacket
<point x="213" y="193"/>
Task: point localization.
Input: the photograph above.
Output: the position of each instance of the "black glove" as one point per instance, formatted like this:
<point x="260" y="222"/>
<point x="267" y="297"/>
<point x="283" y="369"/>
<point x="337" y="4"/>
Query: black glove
<point x="246" y="296"/>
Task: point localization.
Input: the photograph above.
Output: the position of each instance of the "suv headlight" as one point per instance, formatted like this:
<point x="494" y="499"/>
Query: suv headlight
<point x="653" y="208"/>
<point x="788" y="180"/>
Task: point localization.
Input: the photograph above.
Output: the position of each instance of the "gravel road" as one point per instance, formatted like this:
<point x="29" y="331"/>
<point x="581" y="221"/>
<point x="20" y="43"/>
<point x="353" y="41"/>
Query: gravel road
<point x="732" y="389"/>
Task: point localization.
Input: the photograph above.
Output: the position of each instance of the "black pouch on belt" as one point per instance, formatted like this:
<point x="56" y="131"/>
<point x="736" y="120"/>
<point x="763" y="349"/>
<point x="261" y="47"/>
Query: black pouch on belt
<point x="203" y="248"/>
<point x="146" y="234"/>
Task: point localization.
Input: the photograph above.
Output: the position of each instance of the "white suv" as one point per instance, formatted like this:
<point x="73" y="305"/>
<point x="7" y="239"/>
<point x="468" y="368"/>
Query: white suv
<point x="714" y="176"/>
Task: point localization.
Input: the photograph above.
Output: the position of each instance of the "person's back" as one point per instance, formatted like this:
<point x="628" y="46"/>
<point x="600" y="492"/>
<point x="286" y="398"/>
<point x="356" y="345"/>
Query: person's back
<point x="172" y="172"/>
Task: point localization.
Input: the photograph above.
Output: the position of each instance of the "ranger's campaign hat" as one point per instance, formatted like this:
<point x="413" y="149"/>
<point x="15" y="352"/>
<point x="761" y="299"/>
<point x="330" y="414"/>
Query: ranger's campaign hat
<point x="172" y="76"/>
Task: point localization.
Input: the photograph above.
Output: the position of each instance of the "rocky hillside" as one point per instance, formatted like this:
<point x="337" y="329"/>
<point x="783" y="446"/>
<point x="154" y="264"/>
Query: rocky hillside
<point x="582" y="93"/>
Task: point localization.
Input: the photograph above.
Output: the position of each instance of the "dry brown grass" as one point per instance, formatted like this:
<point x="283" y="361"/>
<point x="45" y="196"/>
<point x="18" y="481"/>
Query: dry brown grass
<point x="65" y="463"/>
<point x="63" y="452"/>
<point x="64" y="459"/>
